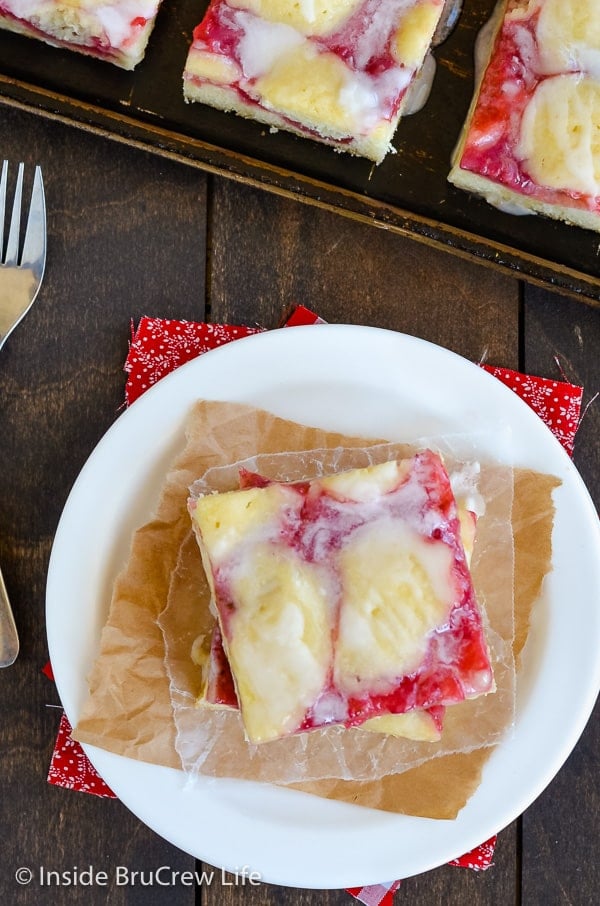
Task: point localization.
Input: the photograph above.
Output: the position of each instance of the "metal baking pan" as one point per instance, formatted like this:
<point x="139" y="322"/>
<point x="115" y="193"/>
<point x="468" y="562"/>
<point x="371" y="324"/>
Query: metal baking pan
<point x="407" y="193"/>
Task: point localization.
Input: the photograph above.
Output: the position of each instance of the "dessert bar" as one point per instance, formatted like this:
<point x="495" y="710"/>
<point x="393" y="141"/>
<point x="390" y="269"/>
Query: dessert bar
<point x="531" y="143"/>
<point x="112" y="30"/>
<point x="343" y="598"/>
<point x="218" y="689"/>
<point x="338" y="72"/>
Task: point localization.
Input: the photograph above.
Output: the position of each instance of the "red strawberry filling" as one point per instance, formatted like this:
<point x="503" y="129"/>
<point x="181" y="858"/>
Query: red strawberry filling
<point x="341" y="539"/>
<point x="514" y="73"/>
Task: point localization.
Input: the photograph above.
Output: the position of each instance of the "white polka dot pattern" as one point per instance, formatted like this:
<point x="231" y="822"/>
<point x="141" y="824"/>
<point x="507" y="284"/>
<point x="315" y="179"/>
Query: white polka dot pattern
<point x="557" y="403"/>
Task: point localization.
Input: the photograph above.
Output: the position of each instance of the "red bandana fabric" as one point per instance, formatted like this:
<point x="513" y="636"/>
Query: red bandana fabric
<point x="557" y="403"/>
<point x="159" y="346"/>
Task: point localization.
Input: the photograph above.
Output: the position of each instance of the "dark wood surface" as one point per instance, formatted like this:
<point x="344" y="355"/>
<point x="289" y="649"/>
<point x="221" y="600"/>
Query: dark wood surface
<point x="407" y="193"/>
<point x="132" y="234"/>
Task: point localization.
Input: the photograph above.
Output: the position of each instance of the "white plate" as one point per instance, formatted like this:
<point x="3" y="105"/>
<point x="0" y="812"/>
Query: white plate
<point x="364" y="381"/>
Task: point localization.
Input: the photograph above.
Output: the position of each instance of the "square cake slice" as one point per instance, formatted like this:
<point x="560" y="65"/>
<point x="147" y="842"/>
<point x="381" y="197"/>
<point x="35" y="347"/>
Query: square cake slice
<point x="335" y="71"/>
<point x="531" y="142"/>
<point x="113" y="30"/>
<point x="343" y="598"/>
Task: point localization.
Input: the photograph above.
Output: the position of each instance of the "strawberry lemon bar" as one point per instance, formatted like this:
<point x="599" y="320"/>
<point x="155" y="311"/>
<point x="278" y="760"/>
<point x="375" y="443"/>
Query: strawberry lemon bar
<point x="531" y="143"/>
<point x="343" y="598"/>
<point x="113" y="30"/>
<point x="335" y="71"/>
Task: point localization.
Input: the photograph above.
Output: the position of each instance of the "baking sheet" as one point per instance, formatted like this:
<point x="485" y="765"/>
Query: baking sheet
<point x="407" y="193"/>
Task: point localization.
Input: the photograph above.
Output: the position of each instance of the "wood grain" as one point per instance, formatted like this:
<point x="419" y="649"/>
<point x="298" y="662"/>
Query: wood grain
<point x="351" y="273"/>
<point x="114" y="221"/>
<point x="408" y="192"/>
<point x="561" y="829"/>
<point x="133" y="234"/>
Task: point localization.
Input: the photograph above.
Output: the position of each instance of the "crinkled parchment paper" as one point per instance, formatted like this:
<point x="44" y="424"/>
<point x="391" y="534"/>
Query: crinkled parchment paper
<point x="211" y="741"/>
<point x="129" y="709"/>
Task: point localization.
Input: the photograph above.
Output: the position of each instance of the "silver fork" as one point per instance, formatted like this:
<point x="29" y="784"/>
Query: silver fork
<point x="21" y="272"/>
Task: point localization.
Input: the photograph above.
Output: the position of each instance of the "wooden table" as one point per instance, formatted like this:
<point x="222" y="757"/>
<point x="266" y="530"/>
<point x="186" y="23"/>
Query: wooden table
<point x="132" y="234"/>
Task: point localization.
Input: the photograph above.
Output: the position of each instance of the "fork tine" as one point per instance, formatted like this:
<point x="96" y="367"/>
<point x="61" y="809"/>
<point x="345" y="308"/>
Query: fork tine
<point x="3" y="181"/>
<point x="20" y="288"/>
<point x="34" y="245"/>
<point x="12" y="246"/>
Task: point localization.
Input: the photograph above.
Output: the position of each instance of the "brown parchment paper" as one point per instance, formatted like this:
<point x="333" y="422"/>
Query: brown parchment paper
<point x="129" y="709"/>
<point x="212" y="741"/>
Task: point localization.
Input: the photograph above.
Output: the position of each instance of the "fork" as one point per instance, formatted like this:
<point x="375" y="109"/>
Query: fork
<point x="21" y="275"/>
<point x="21" y="272"/>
